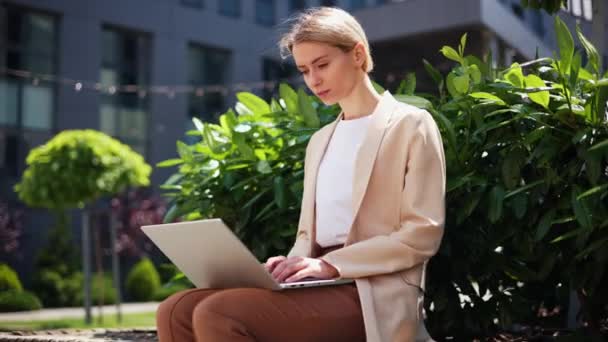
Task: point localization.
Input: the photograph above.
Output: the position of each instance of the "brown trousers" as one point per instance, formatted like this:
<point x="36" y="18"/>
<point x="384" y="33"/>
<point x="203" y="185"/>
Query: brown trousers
<point x="331" y="313"/>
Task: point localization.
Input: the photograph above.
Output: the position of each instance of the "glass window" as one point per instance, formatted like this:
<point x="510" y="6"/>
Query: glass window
<point x="125" y="61"/>
<point x="207" y="66"/>
<point x="230" y="8"/>
<point x="9" y="90"/>
<point x="193" y="3"/>
<point x="296" y="5"/>
<point x="28" y="42"/>
<point x="264" y="12"/>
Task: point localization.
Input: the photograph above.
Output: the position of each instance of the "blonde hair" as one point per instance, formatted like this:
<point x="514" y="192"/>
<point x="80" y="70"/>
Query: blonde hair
<point x="328" y="25"/>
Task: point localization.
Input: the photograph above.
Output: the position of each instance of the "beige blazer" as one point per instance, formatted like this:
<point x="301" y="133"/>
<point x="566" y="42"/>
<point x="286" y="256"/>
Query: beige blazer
<point x="399" y="206"/>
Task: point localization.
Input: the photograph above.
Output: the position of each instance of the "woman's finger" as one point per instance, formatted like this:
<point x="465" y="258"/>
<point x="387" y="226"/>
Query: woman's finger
<point x="303" y="273"/>
<point x="291" y="267"/>
<point x="272" y="262"/>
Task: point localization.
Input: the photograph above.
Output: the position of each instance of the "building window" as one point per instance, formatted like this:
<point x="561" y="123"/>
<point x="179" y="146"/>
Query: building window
<point x="193" y="3"/>
<point x="357" y="4"/>
<point x="125" y="61"/>
<point x="28" y="43"/>
<point x="229" y="8"/>
<point x="208" y="67"/>
<point x="580" y="9"/>
<point x="296" y="5"/>
<point x="264" y="12"/>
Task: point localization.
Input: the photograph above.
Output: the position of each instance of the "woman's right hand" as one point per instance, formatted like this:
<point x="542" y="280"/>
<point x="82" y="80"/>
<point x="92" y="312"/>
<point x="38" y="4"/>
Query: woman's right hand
<point x="272" y="262"/>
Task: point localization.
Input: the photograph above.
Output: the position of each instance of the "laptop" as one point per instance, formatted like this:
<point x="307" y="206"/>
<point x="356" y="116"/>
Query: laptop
<point x="211" y="256"/>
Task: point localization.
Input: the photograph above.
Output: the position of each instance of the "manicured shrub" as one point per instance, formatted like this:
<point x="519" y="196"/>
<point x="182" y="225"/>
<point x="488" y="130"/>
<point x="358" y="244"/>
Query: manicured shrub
<point x="15" y="300"/>
<point x="9" y="279"/>
<point x="143" y="281"/>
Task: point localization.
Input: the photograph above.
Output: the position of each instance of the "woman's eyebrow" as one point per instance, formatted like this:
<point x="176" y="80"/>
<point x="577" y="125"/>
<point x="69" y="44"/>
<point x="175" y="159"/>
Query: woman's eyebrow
<point x="313" y="62"/>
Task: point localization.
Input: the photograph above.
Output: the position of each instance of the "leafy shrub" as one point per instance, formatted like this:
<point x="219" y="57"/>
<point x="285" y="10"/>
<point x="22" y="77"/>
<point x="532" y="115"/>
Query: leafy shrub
<point x="57" y="290"/>
<point x="58" y="281"/>
<point x="527" y="190"/>
<point x="15" y="300"/>
<point x="167" y="272"/>
<point x="143" y="281"/>
<point x="248" y="170"/>
<point x="164" y="292"/>
<point x="9" y="280"/>
<point x="77" y="167"/>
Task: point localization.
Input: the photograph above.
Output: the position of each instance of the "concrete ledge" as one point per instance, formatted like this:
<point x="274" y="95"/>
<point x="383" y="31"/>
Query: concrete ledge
<point x="88" y="335"/>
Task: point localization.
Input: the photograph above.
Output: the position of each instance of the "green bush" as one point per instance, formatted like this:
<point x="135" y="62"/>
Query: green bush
<point x="58" y="281"/>
<point x="527" y="190"/>
<point x="58" y="290"/>
<point x="167" y="272"/>
<point x="77" y="167"/>
<point x="143" y="281"/>
<point x="9" y="279"/>
<point x="16" y="300"/>
<point x="164" y="292"/>
<point x="98" y="283"/>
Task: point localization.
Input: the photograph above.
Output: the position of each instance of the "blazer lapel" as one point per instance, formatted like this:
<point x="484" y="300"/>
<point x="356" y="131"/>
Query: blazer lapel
<point x="366" y="157"/>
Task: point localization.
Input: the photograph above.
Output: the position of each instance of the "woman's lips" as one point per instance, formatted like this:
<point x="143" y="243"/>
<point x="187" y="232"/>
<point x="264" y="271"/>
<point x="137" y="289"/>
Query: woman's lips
<point x="323" y="93"/>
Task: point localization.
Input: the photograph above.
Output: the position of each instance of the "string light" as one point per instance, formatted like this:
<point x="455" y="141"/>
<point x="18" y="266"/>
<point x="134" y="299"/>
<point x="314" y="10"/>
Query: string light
<point x="144" y="90"/>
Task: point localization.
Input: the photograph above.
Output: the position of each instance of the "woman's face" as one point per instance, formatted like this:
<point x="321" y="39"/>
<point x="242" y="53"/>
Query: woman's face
<point x="330" y="73"/>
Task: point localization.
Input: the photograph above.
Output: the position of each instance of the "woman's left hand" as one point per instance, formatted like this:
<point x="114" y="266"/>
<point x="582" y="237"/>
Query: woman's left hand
<point x="296" y="268"/>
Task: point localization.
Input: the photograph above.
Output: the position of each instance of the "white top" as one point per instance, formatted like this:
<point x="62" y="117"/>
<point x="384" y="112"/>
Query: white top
<point x="334" y="210"/>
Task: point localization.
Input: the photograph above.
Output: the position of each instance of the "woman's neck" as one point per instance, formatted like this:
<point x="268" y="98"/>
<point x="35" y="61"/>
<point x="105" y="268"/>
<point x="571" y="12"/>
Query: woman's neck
<point x="361" y="101"/>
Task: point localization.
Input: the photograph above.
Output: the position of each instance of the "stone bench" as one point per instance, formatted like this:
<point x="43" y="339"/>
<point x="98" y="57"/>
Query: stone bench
<point x="81" y="335"/>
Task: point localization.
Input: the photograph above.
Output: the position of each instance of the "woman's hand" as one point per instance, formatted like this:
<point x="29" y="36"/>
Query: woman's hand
<point x="296" y="268"/>
<point x="272" y="262"/>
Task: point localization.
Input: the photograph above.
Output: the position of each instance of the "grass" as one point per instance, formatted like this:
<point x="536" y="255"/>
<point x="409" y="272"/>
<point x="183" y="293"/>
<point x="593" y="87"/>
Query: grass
<point x="109" y="321"/>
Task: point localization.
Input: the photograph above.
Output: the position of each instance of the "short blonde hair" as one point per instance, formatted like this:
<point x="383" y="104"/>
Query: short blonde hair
<point x="328" y="25"/>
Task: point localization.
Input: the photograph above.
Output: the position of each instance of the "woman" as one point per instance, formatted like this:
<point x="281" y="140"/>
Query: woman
<point x="372" y="210"/>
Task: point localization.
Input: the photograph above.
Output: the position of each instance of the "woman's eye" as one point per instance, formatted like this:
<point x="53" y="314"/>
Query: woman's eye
<point x="321" y="66"/>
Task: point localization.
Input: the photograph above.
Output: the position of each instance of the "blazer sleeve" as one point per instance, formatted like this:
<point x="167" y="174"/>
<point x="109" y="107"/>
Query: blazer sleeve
<point x="422" y="212"/>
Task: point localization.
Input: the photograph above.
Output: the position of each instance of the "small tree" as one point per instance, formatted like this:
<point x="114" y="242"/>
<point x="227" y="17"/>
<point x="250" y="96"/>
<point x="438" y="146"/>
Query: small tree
<point x="76" y="168"/>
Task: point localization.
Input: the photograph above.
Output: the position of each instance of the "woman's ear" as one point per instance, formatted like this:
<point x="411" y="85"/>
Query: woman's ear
<point x="359" y="54"/>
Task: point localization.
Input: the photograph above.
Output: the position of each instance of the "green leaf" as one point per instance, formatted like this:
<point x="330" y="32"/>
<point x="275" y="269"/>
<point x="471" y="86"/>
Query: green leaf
<point x="279" y="192"/>
<point x="593" y="191"/>
<point x="592" y="54"/>
<point x="408" y="85"/>
<point x="599" y="145"/>
<point x="581" y="211"/>
<point x="541" y="97"/>
<point x="565" y="44"/>
<point x="511" y="168"/>
<point x="519" y="204"/>
<point x="461" y="83"/>
<point x="497" y="195"/>
<point x="545" y="224"/>
<point x="435" y="75"/>
<point x="591" y="248"/>
<point x="264" y="167"/>
<point x="289" y="97"/>
<point x="183" y="150"/>
<point x="450" y="53"/>
<point x="169" y="162"/>
<point x="198" y="124"/>
<point x="524" y="188"/>
<point x="379" y="89"/>
<point x="253" y="102"/>
<point x="415" y="101"/>
<point x="309" y="113"/>
<point x="515" y="76"/>
<point x="487" y="96"/>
